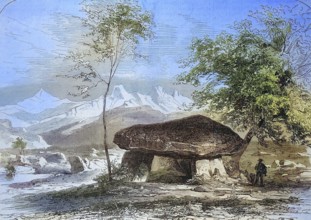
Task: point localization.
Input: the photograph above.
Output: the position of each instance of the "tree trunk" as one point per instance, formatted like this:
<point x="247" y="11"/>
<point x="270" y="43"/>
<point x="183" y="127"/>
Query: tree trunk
<point x="105" y="133"/>
<point x="232" y="165"/>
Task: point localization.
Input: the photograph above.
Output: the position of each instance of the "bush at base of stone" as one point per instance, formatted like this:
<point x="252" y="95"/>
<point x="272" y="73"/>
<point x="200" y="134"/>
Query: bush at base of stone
<point x="103" y="182"/>
<point x="166" y="176"/>
<point x="120" y="175"/>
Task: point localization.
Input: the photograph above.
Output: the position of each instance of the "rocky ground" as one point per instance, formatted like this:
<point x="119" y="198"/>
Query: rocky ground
<point x="77" y="196"/>
<point x="167" y="201"/>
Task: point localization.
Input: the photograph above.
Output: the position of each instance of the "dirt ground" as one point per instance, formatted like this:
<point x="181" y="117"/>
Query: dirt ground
<point x="275" y="174"/>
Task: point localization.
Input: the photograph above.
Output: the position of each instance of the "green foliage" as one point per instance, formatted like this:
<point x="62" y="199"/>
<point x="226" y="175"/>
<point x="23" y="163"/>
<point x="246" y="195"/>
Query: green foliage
<point x="248" y="77"/>
<point x="19" y="144"/>
<point x="10" y="170"/>
<point x="120" y="175"/>
<point x="299" y="114"/>
<point x="115" y="31"/>
<point x="103" y="182"/>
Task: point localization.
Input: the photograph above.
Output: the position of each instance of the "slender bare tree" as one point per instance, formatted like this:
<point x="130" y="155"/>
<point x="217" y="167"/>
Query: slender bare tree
<point x="115" y="30"/>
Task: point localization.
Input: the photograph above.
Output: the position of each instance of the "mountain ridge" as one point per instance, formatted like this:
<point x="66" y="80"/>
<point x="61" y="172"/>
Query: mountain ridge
<point x="43" y="113"/>
<point x="43" y="105"/>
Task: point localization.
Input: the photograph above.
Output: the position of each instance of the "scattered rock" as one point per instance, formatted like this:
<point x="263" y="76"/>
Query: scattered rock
<point x="48" y="163"/>
<point x="275" y="164"/>
<point x="55" y="157"/>
<point x="94" y="152"/>
<point x="77" y="164"/>
<point x="29" y="159"/>
<point x="87" y="163"/>
<point x="200" y="189"/>
<point x="263" y="153"/>
<point x="286" y="164"/>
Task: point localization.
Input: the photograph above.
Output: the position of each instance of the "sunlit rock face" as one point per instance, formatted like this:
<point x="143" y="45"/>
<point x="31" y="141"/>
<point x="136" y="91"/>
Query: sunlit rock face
<point x="77" y="164"/>
<point x="207" y="169"/>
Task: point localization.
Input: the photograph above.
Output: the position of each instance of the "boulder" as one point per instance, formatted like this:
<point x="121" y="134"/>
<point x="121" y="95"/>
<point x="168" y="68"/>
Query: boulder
<point x="275" y="164"/>
<point x="55" y="157"/>
<point x="29" y="159"/>
<point x="77" y="164"/>
<point x="53" y="168"/>
<point x="194" y="137"/>
<point x="94" y="152"/>
<point x="286" y="164"/>
<point x="48" y="163"/>
<point x="87" y="163"/>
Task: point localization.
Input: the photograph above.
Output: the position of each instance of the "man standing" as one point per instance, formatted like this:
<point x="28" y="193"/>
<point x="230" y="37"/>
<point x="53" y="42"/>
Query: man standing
<point x="261" y="170"/>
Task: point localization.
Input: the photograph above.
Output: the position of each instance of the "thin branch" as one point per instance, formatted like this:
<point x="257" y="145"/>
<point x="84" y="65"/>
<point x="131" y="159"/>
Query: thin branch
<point x="6" y="5"/>
<point x="304" y="4"/>
<point x="102" y="79"/>
<point x="99" y="81"/>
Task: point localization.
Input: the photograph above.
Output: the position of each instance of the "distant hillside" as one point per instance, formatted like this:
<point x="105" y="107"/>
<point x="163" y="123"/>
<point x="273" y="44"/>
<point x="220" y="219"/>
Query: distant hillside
<point x="67" y="123"/>
<point x="92" y="134"/>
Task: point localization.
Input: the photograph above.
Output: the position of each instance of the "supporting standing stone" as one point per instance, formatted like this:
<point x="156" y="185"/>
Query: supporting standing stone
<point x="206" y="169"/>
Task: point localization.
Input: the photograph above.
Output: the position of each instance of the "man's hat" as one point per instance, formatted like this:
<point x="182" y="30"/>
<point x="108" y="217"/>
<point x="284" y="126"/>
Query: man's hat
<point x="260" y="160"/>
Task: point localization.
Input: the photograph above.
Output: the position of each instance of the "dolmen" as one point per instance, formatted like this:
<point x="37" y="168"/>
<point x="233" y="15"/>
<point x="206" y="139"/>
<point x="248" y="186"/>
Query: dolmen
<point x="177" y="150"/>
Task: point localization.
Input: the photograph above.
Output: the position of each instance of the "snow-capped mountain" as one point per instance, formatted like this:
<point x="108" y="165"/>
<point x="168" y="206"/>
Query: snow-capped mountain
<point x="27" y="112"/>
<point x="44" y="111"/>
<point x="40" y="102"/>
<point x="162" y="101"/>
<point x="8" y="134"/>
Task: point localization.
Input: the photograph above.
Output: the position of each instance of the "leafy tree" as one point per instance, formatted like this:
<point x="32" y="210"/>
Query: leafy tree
<point x="252" y="77"/>
<point x="20" y="145"/>
<point x="114" y="31"/>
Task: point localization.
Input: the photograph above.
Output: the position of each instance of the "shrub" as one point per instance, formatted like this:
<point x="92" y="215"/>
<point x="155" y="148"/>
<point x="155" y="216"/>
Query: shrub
<point x="10" y="170"/>
<point x="20" y="145"/>
<point x="120" y="175"/>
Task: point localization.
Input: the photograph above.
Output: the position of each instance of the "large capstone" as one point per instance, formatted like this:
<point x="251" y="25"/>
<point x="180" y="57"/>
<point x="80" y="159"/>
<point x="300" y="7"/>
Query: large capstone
<point x="195" y="137"/>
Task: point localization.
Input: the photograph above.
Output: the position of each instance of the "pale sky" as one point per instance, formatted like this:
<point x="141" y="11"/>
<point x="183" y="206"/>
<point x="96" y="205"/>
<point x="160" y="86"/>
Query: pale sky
<point x="34" y="33"/>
